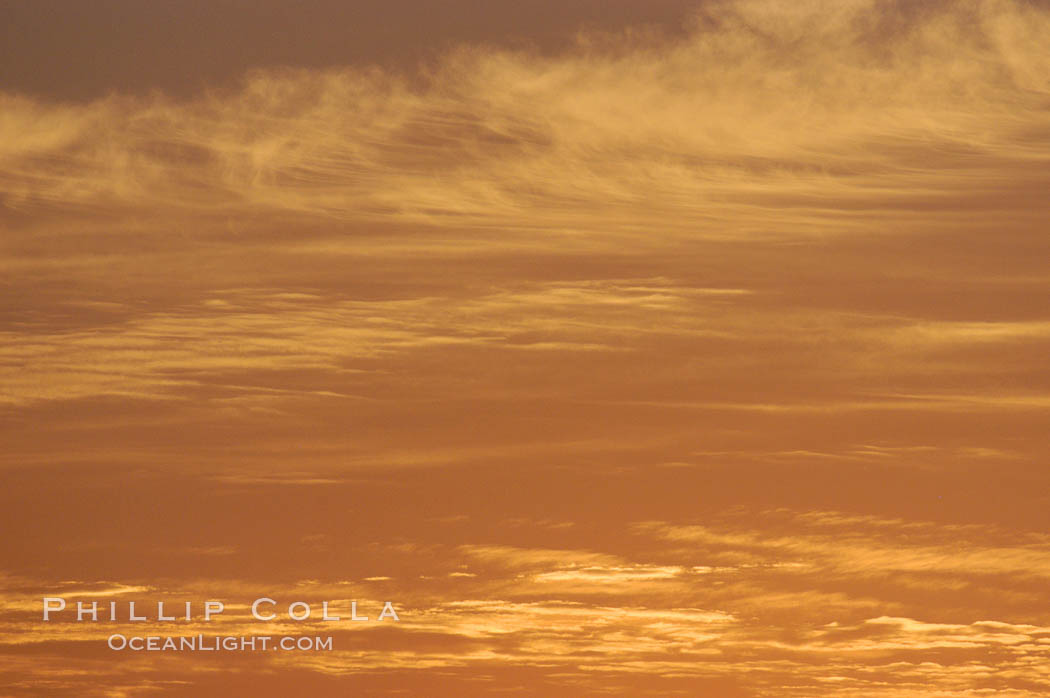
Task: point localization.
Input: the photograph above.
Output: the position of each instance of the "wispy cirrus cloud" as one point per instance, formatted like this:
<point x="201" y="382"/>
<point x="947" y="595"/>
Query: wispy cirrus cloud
<point x="804" y="121"/>
<point x="717" y="355"/>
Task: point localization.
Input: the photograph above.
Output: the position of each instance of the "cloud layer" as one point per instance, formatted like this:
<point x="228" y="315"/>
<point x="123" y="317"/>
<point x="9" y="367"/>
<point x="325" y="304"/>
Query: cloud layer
<point x="696" y="363"/>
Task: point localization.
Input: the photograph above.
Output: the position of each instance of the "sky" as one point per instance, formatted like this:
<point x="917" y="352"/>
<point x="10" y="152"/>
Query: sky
<point x="630" y="348"/>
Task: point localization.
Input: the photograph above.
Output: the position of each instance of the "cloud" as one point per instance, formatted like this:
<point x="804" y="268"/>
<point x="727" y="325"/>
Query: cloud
<point x="159" y="355"/>
<point x="865" y="547"/>
<point x="803" y="121"/>
<point x="796" y="251"/>
<point x="301" y="223"/>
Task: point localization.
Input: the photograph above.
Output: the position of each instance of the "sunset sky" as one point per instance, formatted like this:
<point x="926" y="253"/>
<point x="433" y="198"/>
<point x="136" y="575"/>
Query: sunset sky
<point x="630" y="347"/>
